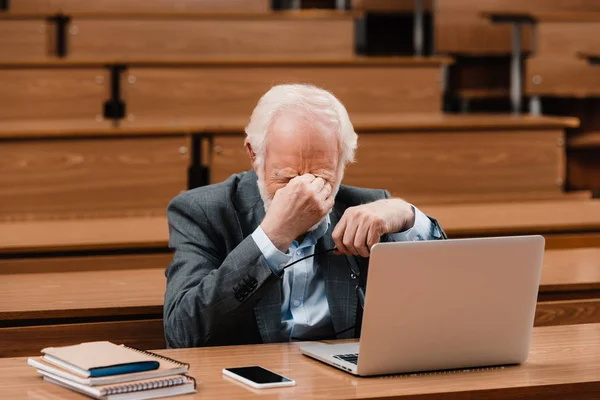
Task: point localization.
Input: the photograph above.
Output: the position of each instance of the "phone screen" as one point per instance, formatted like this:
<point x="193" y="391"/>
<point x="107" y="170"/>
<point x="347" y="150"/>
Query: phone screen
<point x="258" y="375"/>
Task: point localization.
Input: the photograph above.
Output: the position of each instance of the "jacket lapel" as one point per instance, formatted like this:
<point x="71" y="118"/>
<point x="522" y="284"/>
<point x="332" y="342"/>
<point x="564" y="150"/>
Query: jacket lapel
<point x="251" y="211"/>
<point x="339" y="287"/>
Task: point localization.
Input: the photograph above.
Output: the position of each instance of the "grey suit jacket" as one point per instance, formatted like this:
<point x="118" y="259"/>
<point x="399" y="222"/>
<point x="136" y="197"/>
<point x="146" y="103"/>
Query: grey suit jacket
<point x="220" y="290"/>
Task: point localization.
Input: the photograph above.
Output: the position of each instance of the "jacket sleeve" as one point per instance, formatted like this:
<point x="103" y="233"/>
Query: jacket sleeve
<point x="426" y="228"/>
<point x="207" y="289"/>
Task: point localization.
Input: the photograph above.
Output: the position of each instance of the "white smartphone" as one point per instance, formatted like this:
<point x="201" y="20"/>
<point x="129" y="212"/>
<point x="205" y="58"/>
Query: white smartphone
<point x="258" y="377"/>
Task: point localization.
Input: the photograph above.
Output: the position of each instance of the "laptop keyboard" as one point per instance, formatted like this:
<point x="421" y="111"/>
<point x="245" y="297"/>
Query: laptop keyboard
<point x="351" y="358"/>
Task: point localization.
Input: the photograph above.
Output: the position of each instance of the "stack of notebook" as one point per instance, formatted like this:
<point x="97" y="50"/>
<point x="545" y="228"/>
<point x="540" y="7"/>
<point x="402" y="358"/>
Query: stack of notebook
<point x="107" y="371"/>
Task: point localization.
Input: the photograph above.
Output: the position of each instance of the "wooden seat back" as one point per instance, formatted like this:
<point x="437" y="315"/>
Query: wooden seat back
<point x="231" y="90"/>
<point x="52" y="93"/>
<point x="66" y="6"/>
<point x="188" y="35"/>
<point x="91" y="177"/>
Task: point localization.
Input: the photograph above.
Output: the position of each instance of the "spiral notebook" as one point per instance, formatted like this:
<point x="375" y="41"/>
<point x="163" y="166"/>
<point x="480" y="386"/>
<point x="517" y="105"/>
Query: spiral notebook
<point x="139" y="390"/>
<point x="167" y="366"/>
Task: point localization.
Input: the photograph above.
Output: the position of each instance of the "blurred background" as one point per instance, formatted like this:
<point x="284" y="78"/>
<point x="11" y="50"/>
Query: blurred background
<point x="480" y="112"/>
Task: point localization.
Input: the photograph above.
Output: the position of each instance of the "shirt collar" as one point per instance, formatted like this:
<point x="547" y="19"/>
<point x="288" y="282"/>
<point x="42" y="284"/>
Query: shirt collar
<point x="313" y="236"/>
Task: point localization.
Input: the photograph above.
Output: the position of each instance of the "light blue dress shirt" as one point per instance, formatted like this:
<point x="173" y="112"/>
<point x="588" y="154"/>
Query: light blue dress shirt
<point x="304" y="309"/>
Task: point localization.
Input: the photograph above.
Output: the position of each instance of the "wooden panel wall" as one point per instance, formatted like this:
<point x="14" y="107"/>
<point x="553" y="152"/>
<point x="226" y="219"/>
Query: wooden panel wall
<point x="436" y="167"/>
<point x="39" y="93"/>
<point x="460" y="30"/>
<point x="24" y="39"/>
<point x="233" y="91"/>
<point x="188" y="38"/>
<point x="140" y="5"/>
<point x="90" y="177"/>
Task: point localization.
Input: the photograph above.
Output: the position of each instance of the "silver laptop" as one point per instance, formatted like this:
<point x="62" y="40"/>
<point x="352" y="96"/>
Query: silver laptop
<point x="448" y="304"/>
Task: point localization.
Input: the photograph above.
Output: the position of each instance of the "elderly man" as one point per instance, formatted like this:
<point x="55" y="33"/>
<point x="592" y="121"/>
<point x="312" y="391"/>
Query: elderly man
<point x="228" y="282"/>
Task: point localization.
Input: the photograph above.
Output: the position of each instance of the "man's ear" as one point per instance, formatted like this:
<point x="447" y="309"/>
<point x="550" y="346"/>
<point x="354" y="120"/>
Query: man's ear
<point x="251" y="153"/>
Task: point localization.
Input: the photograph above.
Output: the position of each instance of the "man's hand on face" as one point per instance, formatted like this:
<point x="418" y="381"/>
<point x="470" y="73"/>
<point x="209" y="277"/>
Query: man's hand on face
<point x="362" y="226"/>
<point x="295" y="208"/>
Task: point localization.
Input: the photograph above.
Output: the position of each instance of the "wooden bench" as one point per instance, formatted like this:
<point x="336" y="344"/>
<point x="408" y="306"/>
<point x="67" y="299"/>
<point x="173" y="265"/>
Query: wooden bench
<point x="92" y="176"/>
<point x="463" y="26"/>
<point x="310" y="34"/>
<point x="556" y="70"/>
<point x="78" y="89"/>
<point x="69" y="6"/>
<point x="176" y="35"/>
<point x="94" y="169"/>
<point x="511" y="218"/>
<point x="443" y="158"/>
<point x="559" y="35"/>
<point x="125" y="305"/>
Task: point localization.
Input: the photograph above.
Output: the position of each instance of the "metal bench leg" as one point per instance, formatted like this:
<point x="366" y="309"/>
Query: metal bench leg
<point x="535" y="105"/>
<point x="418" y="28"/>
<point x="516" y="72"/>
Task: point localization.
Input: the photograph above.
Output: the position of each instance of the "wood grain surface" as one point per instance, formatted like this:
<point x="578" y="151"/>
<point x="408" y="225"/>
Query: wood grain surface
<point x="195" y="61"/>
<point x="128" y="291"/>
<point x="565" y="39"/>
<point x="79" y="178"/>
<point x="460" y="27"/>
<point x="53" y="263"/>
<point x="233" y="92"/>
<point x="67" y="6"/>
<point x="571" y="270"/>
<point x="567" y="312"/>
<point x="565" y="223"/>
<point x="39" y="93"/>
<point x="462" y="220"/>
<point x="545" y="76"/>
<point x="363" y="123"/>
<point x="433" y="166"/>
<point x="29" y="340"/>
<point x="563" y="363"/>
<point x="21" y="39"/>
<point x="84" y="234"/>
<point x="229" y="38"/>
<point x="82" y="294"/>
<point x="540" y="16"/>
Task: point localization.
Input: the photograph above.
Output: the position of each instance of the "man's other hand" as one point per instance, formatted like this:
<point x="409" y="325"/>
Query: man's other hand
<point x="361" y="227"/>
<point x="295" y="208"/>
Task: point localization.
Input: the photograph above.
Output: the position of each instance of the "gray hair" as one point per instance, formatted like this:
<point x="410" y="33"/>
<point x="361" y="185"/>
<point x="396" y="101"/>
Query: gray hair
<point x="321" y="107"/>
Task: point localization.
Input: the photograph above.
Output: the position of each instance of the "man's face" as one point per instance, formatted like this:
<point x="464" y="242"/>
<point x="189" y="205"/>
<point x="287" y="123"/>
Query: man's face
<point x="294" y="147"/>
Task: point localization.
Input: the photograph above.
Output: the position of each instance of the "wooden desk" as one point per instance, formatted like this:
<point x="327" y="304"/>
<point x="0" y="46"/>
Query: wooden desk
<point x="126" y="304"/>
<point x="566" y="224"/>
<point x="363" y="124"/>
<point x="495" y="158"/>
<point x="463" y="220"/>
<point x="563" y="364"/>
<point x="61" y="307"/>
<point x="566" y="274"/>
